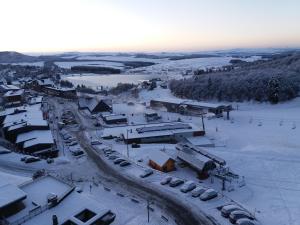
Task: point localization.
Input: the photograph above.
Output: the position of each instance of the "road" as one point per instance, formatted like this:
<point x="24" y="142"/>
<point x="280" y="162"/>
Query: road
<point x="181" y="211"/>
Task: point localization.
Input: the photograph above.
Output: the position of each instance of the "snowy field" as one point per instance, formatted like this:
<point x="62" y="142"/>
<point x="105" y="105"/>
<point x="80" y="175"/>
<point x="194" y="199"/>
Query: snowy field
<point x="68" y="65"/>
<point x="260" y="142"/>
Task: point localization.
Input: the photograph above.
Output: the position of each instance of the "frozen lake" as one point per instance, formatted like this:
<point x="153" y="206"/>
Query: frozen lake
<point x="111" y="80"/>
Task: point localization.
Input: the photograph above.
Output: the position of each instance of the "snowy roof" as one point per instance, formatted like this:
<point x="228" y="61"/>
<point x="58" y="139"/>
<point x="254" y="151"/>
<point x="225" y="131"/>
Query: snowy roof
<point x="189" y="102"/>
<point x="61" y="88"/>
<point x="195" y="160"/>
<point x="152" y="130"/>
<point x="72" y="202"/>
<point x="14" y="93"/>
<point x="42" y="123"/>
<point x="10" y="194"/>
<point x="36" y="100"/>
<point x="35" y="137"/>
<point x="159" y="157"/>
<point x="91" y="103"/>
<point x="30" y="114"/>
<point x="9" y="87"/>
<point x="114" y="117"/>
<point x="45" y="82"/>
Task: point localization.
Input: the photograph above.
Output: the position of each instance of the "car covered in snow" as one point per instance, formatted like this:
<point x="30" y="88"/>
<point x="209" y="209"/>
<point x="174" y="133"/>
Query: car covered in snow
<point x="112" y="157"/>
<point x="239" y="214"/>
<point x="176" y="182"/>
<point x="125" y="163"/>
<point x="166" y="180"/>
<point x="118" y="160"/>
<point x="146" y="173"/>
<point x="31" y="159"/>
<point x="188" y="186"/>
<point x="96" y="142"/>
<point x="246" y="221"/>
<point x="227" y="209"/>
<point x="198" y="191"/>
<point x="209" y="194"/>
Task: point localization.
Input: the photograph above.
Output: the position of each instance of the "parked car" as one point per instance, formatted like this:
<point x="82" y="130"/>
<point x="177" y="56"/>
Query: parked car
<point x="166" y="180"/>
<point x="135" y="145"/>
<point x="239" y="214"/>
<point x="107" y="218"/>
<point x="124" y="163"/>
<point x="245" y="221"/>
<point x="208" y="194"/>
<point x="4" y="151"/>
<point x="31" y="159"/>
<point x="198" y="191"/>
<point x="96" y="143"/>
<point x="118" y="160"/>
<point x="49" y="160"/>
<point x="146" y="173"/>
<point x="176" y="182"/>
<point x="188" y="186"/>
<point x="72" y="143"/>
<point x="70" y="140"/>
<point x="112" y="157"/>
<point x="227" y="209"/>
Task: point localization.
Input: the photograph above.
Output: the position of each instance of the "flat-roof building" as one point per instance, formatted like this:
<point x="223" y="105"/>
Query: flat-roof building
<point x="154" y="133"/>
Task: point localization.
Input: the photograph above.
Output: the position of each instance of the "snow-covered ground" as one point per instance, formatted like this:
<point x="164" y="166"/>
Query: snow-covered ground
<point x="260" y="142"/>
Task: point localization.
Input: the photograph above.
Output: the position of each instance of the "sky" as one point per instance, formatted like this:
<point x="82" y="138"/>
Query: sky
<point x="147" y="25"/>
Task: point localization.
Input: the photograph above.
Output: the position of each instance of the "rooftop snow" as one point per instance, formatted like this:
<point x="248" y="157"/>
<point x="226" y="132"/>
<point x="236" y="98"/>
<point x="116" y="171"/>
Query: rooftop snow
<point x="167" y="129"/>
<point x="188" y="102"/>
<point x="35" y="137"/>
<point x="10" y="194"/>
<point x="159" y="157"/>
<point x="33" y="115"/>
<point x="14" y="93"/>
<point x="9" y="87"/>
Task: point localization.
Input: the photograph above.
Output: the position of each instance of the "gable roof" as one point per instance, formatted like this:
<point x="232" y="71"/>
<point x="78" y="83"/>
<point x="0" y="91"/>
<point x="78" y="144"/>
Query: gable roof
<point x="159" y="157"/>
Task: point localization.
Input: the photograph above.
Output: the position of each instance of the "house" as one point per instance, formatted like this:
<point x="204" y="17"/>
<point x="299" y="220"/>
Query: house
<point x="47" y="200"/>
<point x="159" y="160"/>
<point x="93" y="105"/>
<point x="35" y="100"/>
<point x="154" y="133"/>
<point x="14" y="97"/>
<point x="189" y="107"/>
<point x="69" y="93"/>
<point x="40" y="84"/>
<point x="200" y="163"/>
<point x="5" y="88"/>
<point x="37" y="142"/>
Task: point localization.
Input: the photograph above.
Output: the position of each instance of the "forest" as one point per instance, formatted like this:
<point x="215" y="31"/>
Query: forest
<point x="274" y="80"/>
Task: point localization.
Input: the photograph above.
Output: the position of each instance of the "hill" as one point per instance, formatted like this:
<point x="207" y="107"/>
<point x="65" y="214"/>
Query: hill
<point x="16" y="57"/>
<point x="273" y="80"/>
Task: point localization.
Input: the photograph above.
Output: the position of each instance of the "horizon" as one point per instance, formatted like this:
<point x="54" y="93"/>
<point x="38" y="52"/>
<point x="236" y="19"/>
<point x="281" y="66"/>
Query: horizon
<point x="142" y="26"/>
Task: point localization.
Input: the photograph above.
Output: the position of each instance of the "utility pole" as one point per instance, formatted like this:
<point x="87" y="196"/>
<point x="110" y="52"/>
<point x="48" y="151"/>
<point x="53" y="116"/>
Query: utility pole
<point x="127" y="144"/>
<point x="203" y="126"/>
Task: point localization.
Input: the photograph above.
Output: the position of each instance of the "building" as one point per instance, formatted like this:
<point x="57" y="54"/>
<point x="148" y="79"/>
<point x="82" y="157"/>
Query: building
<point x="159" y="160"/>
<point x="69" y="93"/>
<point x="200" y="163"/>
<point x="47" y="200"/>
<point x="26" y="127"/>
<point x="37" y="142"/>
<point x="14" y="98"/>
<point x="39" y="85"/>
<point x="189" y="107"/>
<point x="93" y="105"/>
<point x="114" y="118"/>
<point x="5" y="88"/>
<point x="154" y="133"/>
